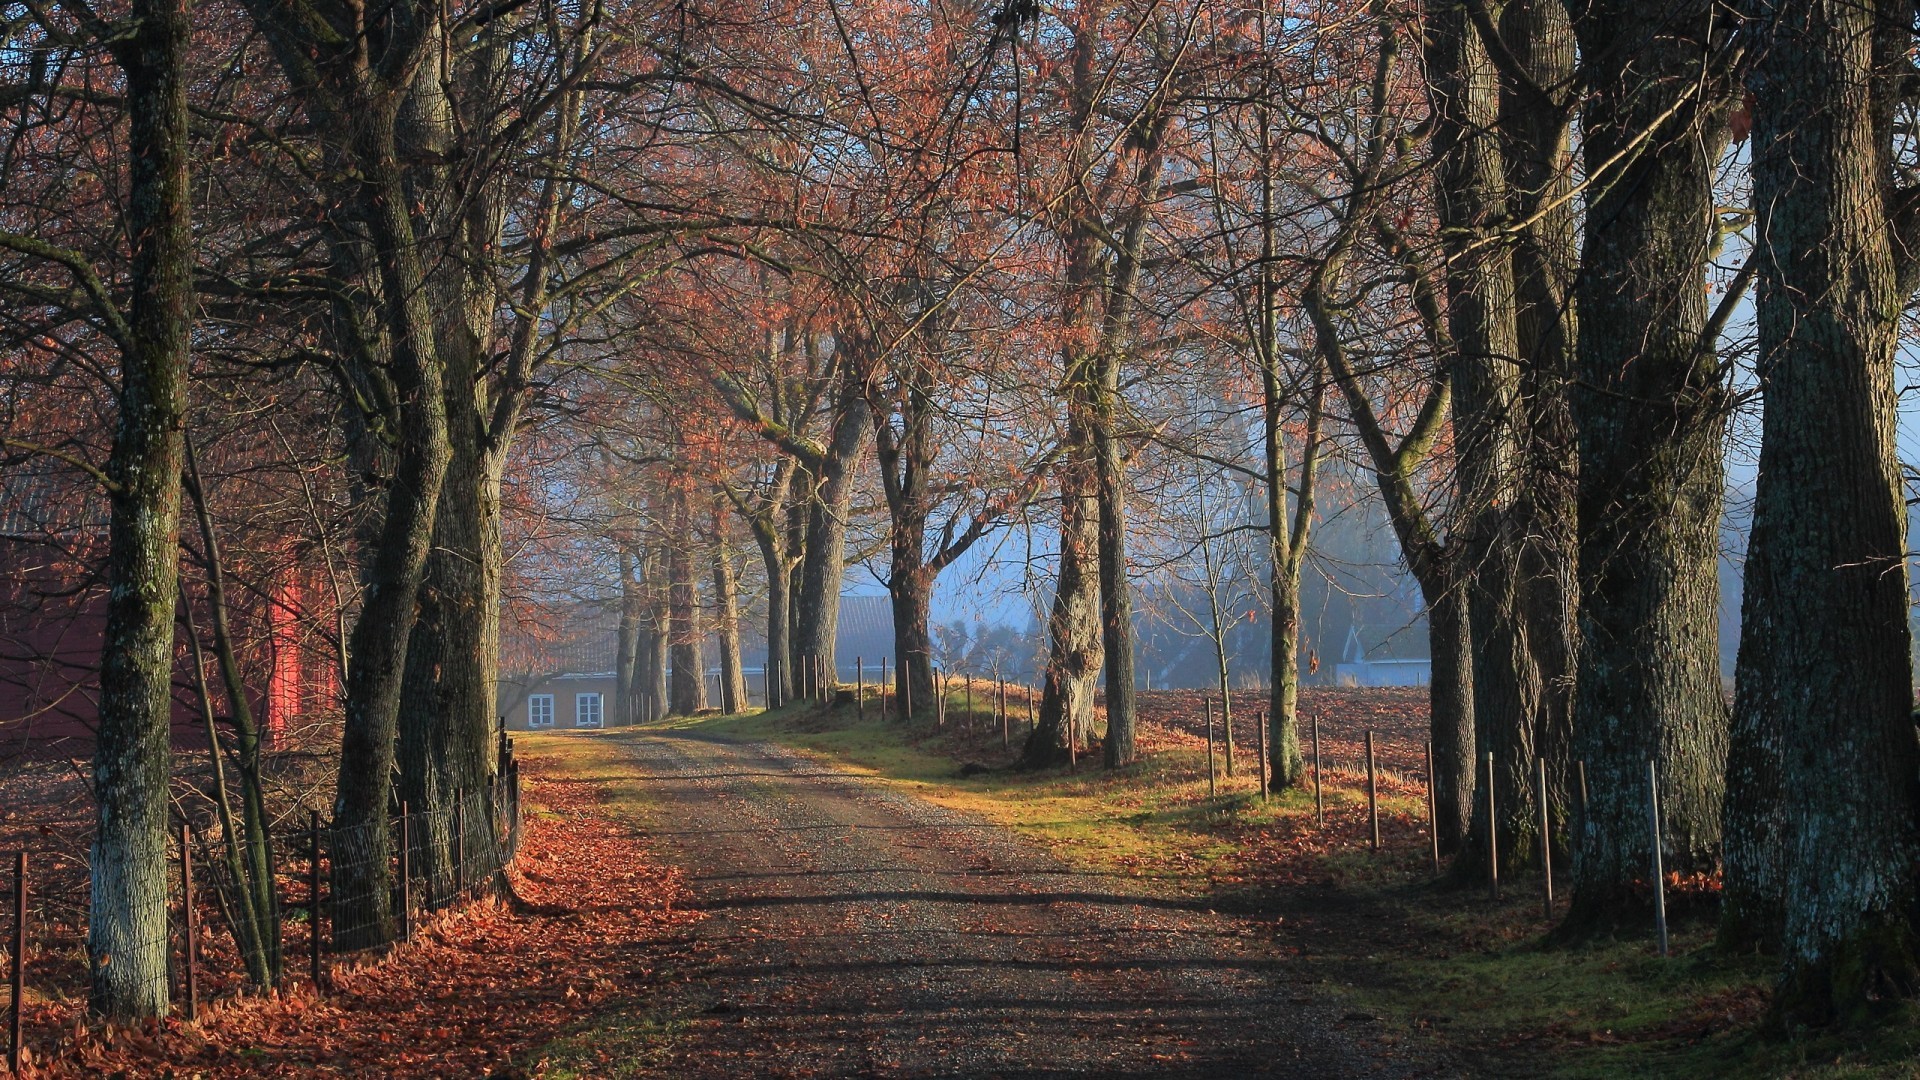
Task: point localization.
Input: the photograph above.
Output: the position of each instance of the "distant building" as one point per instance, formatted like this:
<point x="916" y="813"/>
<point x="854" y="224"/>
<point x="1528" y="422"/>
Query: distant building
<point x="53" y="615"/>
<point x="1398" y="659"/>
<point x="570" y="682"/>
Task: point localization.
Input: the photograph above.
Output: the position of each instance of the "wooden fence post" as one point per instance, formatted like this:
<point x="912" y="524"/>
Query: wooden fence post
<point x="16" y="1023"/>
<point x="1373" y="796"/>
<point x="1493" y="836"/>
<point x="1659" y="862"/>
<point x="406" y="874"/>
<point x="459" y="850"/>
<point x="1006" y="726"/>
<point x="860" y="684"/>
<point x="1546" y="837"/>
<point x="192" y="924"/>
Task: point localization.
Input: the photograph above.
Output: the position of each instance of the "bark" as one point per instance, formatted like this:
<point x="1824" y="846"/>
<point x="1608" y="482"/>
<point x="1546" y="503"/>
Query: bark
<point x="823" y="564"/>
<point x="353" y="97"/>
<point x="1824" y="673"/>
<point x="1534" y="127"/>
<point x="1073" y="632"/>
<point x="1450" y="699"/>
<point x="626" y="652"/>
<point x="1652" y="414"/>
<point x="688" y="692"/>
<point x="1464" y="89"/>
<point x="127" y="939"/>
<point x="726" y="599"/>
<point x="658" y="640"/>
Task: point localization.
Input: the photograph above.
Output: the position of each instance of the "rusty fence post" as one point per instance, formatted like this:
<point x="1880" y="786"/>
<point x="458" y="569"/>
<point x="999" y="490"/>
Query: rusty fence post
<point x="313" y="902"/>
<point x="192" y="925"/>
<point x="406" y="874"/>
<point x="16" y="1023"/>
<point x="1373" y="796"/>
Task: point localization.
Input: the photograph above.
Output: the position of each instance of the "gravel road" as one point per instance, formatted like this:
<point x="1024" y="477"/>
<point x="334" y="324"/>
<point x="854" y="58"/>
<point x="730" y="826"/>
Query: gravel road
<point x="854" y="930"/>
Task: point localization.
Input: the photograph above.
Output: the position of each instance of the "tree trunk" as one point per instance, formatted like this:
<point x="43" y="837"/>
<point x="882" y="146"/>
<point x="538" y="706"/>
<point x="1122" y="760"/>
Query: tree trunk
<point x="726" y="598"/>
<point x="362" y="875"/>
<point x="824" y="563"/>
<point x="1450" y="716"/>
<point x="1480" y="318"/>
<point x="1651" y="413"/>
<point x="1535" y="132"/>
<point x="658" y="642"/>
<point x="626" y="649"/>
<point x="1073" y="632"/>
<point x="911" y="595"/>
<point x="1116" y="591"/>
<point x="127" y="939"/>
<point x="1824" y="674"/>
<point x="689" y="689"/>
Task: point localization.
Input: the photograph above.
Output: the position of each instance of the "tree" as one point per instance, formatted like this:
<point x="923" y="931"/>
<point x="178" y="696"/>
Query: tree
<point x="1824" y="683"/>
<point x="1651" y="410"/>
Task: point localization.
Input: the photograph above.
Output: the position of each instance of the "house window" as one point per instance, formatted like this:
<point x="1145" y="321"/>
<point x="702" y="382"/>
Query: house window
<point x="540" y="710"/>
<point x="586" y="710"/>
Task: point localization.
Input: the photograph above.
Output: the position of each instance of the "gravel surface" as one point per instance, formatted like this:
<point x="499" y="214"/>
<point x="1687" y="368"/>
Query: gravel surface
<point x="854" y="930"/>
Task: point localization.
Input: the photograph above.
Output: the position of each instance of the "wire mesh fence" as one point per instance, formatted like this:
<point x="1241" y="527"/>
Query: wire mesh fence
<point x="224" y="920"/>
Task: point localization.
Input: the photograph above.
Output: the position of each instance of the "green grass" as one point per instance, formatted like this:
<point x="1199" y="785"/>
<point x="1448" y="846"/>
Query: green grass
<point x="1432" y="963"/>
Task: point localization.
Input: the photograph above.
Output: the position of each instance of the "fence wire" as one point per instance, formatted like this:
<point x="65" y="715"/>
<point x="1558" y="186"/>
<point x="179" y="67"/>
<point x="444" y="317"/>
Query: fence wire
<point x="372" y="885"/>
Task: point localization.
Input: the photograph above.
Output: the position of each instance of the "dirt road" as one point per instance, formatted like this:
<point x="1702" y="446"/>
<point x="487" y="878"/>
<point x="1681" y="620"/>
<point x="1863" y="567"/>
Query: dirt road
<point x="856" y="931"/>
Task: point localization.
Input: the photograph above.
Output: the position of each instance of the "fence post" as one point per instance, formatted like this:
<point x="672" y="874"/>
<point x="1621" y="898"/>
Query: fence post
<point x="1493" y="837"/>
<point x="1433" y="815"/>
<point x="1261" y="717"/>
<point x="860" y="681"/>
<point x="16" y="1023"/>
<point x="313" y="902"/>
<point x="1546" y="837"/>
<point x="1006" y="725"/>
<point x="1580" y="772"/>
<point x="1659" y="864"/>
<point x="1212" y="784"/>
<point x="1033" y="721"/>
<point x="1319" y="796"/>
<point x="406" y="872"/>
<point x="459" y="851"/>
<point x="1373" y="796"/>
<point x="192" y="924"/>
<point x="968" y="710"/>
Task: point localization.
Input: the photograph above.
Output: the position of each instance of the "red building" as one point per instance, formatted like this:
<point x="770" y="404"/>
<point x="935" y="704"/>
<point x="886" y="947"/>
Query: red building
<point x="53" y="618"/>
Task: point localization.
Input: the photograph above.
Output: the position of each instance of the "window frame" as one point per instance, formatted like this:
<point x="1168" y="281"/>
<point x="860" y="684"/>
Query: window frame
<point x="599" y="709"/>
<point x="551" y="709"/>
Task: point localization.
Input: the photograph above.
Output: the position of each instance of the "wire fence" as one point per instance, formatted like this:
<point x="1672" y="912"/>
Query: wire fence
<point x="189" y="938"/>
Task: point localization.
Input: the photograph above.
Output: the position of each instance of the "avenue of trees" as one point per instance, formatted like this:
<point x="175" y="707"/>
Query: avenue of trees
<point x="450" y="304"/>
